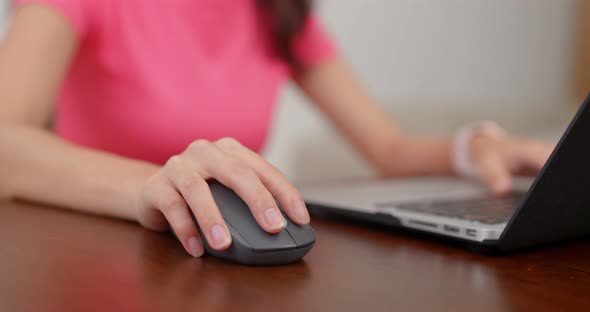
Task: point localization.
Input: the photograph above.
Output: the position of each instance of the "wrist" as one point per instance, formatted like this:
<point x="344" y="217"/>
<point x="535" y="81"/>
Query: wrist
<point x="136" y="183"/>
<point x="419" y="156"/>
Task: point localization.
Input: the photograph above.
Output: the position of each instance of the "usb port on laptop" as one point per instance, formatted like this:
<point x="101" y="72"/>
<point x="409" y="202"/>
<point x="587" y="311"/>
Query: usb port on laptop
<point x="451" y="229"/>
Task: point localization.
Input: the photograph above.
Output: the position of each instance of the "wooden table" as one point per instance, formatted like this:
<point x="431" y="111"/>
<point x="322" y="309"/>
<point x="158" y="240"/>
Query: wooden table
<point x="55" y="260"/>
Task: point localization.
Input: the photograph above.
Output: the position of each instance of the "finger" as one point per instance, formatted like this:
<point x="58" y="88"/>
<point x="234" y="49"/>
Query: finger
<point x="238" y="176"/>
<point x="494" y="172"/>
<point x="196" y="193"/>
<point x="248" y="186"/>
<point x="279" y="186"/>
<point x="531" y="155"/>
<point x="167" y="200"/>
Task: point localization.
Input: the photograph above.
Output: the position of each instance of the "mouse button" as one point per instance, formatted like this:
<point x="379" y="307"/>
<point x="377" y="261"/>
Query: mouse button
<point x="237" y="238"/>
<point x="261" y="241"/>
<point x="237" y="214"/>
<point x="303" y="235"/>
<point x="275" y="242"/>
<point x="229" y="203"/>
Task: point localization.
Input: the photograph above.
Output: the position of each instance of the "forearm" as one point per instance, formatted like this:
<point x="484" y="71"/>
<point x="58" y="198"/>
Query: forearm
<point x="343" y="99"/>
<point x="418" y="156"/>
<point x="34" y="164"/>
<point x="392" y="152"/>
<point x="38" y="166"/>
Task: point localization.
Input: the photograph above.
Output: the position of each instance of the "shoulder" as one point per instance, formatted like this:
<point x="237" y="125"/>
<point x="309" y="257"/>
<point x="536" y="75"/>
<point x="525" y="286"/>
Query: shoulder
<point x="80" y="15"/>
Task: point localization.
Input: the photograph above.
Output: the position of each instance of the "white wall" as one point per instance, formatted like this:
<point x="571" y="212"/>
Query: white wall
<point x="3" y="15"/>
<point x="435" y="65"/>
<point x="501" y="49"/>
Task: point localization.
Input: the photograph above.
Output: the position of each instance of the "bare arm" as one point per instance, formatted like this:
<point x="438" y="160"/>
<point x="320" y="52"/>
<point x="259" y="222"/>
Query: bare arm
<point x="335" y="90"/>
<point x="35" y="164"/>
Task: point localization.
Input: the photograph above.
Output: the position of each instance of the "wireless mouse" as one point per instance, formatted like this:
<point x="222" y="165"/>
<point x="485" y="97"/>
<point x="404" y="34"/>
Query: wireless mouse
<point x="251" y="245"/>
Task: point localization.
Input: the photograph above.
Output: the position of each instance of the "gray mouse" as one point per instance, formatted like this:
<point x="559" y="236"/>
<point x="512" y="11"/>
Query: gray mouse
<point x="251" y="245"/>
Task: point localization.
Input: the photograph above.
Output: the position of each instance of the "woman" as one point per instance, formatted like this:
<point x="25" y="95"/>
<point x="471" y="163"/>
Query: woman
<point x="156" y="97"/>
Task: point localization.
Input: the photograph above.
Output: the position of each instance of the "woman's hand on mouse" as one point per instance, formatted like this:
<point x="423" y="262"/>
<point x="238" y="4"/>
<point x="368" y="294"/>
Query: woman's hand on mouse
<point x="179" y="188"/>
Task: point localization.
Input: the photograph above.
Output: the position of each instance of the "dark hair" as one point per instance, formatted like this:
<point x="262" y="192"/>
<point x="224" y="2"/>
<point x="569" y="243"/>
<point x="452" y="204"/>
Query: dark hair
<point x="286" y="19"/>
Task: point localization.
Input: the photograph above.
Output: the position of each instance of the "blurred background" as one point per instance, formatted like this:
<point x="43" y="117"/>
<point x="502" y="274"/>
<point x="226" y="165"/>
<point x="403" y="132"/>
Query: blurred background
<point x="4" y="6"/>
<point x="435" y="65"/>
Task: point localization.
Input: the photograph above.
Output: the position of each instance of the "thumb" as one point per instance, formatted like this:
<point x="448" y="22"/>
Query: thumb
<point x="495" y="173"/>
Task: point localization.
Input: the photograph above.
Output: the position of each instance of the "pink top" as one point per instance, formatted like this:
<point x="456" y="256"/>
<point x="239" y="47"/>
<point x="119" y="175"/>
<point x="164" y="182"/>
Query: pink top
<point x="151" y="76"/>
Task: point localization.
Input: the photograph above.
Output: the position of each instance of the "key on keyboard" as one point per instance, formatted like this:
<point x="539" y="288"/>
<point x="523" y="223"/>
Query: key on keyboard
<point x="488" y="210"/>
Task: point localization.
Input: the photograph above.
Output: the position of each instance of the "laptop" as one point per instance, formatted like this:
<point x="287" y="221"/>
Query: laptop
<point x="553" y="207"/>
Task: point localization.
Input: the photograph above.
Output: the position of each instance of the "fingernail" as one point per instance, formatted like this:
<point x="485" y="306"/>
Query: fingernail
<point x="301" y="212"/>
<point x="274" y="219"/>
<point x="195" y="247"/>
<point x="219" y="236"/>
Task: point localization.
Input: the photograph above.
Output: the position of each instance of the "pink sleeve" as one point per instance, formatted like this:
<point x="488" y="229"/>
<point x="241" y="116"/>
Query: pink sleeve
<point x="74" y="11"/>
<point x="314" y="44"/>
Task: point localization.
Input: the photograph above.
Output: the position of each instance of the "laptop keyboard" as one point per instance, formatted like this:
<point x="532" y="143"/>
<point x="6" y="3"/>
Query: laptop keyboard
<point x="487" y="210"/>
